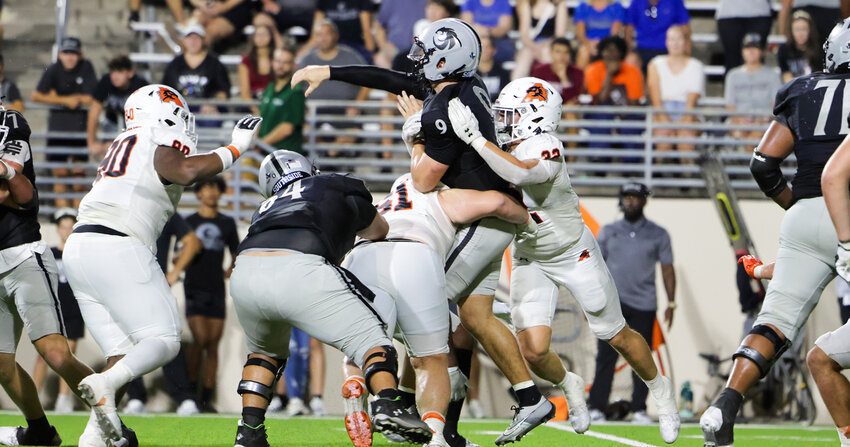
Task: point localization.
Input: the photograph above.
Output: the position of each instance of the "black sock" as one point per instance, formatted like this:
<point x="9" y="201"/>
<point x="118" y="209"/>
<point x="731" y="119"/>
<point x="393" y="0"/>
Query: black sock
<point x="453" y="416"/>
<point x="408" y="399"/>
<point x="38" y="425"/>
<point x="253" y="417"/>
<point x="528" y="396"/>
<point x="464" y="360"/>
<point x="207" y="394"/>
<point x="729" y="402"/>
<point x="284" y="399"/>
<point x="389" y="394"/>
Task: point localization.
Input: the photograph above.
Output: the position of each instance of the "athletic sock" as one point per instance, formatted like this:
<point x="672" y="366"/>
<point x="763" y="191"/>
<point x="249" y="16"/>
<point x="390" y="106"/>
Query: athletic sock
<point x="464" y="360"/>
<point x="284" y="399"/>
<point x="436" y="422"/>
<point x="842" y="435"/>
<point x="408" y="396"/>
<point x="564" y="384"/>
<point x="39" y="425"/>
<point x="253" y="417"/>
<point x="207" y="394"/>
<point x="317" y="396"/>
<point x="527" y="394"/>
<point x="655" y="385"/>
<point x="453" y="416"/>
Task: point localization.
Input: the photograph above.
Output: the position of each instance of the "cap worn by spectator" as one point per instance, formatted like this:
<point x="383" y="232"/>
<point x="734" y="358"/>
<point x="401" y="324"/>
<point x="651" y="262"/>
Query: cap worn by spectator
<point x="194" y="29"/>
<point x="752" y="40"/>
<point x="71" y="45"/>
<point x="62" y="213"/>
<point x="635" y="189"/>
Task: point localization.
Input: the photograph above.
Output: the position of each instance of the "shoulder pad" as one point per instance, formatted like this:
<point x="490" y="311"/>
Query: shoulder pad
<point x="544" y="146"/>
<point x="177" y="140"/>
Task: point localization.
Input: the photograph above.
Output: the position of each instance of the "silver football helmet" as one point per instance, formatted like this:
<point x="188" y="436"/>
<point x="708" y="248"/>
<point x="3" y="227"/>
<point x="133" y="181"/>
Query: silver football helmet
<point x="446" y="48"/>
<point x="281" y="168"/>
<point x="837" y="49"/>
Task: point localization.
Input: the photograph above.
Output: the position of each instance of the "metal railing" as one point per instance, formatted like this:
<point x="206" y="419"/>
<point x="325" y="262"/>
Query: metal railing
<point x="369" y="145"/>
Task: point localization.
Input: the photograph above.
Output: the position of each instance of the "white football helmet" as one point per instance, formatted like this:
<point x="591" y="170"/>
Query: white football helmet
<point x="837" y="49"/>
<point x="159" y="106"/>
<point x="447" y="48"/>
<point x="526" y="107"/>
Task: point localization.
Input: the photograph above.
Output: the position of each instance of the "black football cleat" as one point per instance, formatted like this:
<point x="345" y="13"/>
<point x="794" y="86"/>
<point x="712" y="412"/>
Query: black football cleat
<point x="389" y="416"/>
<point x="27" y="436"/>
<point x="251" y="436"/>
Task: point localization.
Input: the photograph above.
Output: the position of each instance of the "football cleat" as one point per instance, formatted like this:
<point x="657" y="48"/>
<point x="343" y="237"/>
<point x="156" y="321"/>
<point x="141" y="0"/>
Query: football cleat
<point x="390" y="416"/>
<point x="525" y="419"/>
<point x="357" y="421"/>
<point x="25" y="436"/>
<point x="668" y="412"/>
<point x="95" y="390"/>
<point x="574" y="393"/>
<point x="716" y="433"/>
<point x="251" y="436"/>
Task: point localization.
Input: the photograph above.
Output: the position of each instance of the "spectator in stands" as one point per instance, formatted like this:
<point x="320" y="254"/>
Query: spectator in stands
<point x="109" y="96"/>
<point x="10" y="96"/>
<point x="329" y="52"/>
<point x="676" y="82"/>
<point x="825" y="14"/>
<point x="204" y="286"/>
<point x="650" y="19"/>
<point x="395" y="28"/>
<point x="197" y="73"/>
<point x="736" y="18"/>
<point x="540" y="21"/>
<point x="353" y="21"/>
<point x="596" y="20"/>
<point x="288" y="14"/>
<point x="175" y="6"/>
<point x="614" y="82"/>
<point x="282" y="106"/>
<point x="222" y="18"/>
<point x="751" y="88"/>
<point x="67" y="83"/>
<point x="64" y="219"/>
<point x="632" y="247"/>
<point x="801" y="53"/>
<point x="561" y="73"/>
<point x="255" y="70"/>
<point x="491" y="72"/>
<point x="493" y="17"/>
<point x="434" y="10"/>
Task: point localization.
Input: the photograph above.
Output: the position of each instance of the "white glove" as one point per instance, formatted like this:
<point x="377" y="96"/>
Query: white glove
<point x="842" y="260"/>
<point x="243" y="132"/>
<point x="412" y="130"/>
<point x="526" y="231"/>
<point x="465" y="124"/>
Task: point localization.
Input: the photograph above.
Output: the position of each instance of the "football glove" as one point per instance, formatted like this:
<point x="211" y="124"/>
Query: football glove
<point x="842" y="260"/>
<point x="465" y="125"/>
<point x="243" y="132"/>
<point x="750" y="263"/>
<point x="411" y="132"/>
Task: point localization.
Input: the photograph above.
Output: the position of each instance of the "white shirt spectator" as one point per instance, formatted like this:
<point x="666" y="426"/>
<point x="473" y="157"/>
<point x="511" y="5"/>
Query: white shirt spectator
<point x="677" y="86"/>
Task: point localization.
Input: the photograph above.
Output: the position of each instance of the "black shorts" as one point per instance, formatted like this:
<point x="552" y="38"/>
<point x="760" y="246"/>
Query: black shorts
<point x="74" y="324"/>
<point x="81" y="156"/>
<point x="204" y="304"/>
<point x="240" y="15"/>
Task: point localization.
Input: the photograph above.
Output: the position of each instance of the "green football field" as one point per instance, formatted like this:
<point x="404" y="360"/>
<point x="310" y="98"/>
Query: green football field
<point x="165" y="430"/>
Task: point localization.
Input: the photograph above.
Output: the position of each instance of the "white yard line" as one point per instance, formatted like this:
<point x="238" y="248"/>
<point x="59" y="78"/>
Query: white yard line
<point x="605" y="436"/>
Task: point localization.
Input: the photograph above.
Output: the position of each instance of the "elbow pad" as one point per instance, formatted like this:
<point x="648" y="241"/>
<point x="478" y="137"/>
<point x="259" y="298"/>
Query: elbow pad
<point x="767" y="174"/>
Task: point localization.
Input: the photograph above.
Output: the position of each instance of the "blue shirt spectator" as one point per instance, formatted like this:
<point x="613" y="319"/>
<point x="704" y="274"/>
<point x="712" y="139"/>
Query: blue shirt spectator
<point x="651" y="19"/>
<point x="597" y="24"/>
<point x="487" y="15"/>
<point x="496" y="18"/>
<point x="397" y="20"/>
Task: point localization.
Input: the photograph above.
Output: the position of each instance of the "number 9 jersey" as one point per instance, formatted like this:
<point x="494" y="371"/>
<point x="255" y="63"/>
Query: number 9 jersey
<point x="127" y="195"/>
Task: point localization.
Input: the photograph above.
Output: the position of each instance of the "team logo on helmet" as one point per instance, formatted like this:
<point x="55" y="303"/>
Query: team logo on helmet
<point x="536" y="91"/>
<point x="166" y="95"/>
<point x="445" y="38"/>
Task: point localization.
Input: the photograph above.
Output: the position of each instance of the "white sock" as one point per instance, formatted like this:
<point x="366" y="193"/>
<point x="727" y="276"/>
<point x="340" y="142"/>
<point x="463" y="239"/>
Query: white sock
<point x="656" y="385"/>
<point x="406" y="389"/>
<point x="146" y="356"/>
<point x="436" y="422"/>
<point x="523" y="385"/>
<point x="563" y="384"/>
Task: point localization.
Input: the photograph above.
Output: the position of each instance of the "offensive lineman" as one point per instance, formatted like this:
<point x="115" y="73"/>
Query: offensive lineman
<point x="287" y="274"/>
<point x="564" y="251"/>
<point x="805" y="261"/>
<point x="446" y="55"/>
<point x="109" y="259"/>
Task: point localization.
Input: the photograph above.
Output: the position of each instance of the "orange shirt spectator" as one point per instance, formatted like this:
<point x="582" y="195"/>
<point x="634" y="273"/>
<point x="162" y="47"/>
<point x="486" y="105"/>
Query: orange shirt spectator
<point x="628" y="80"/>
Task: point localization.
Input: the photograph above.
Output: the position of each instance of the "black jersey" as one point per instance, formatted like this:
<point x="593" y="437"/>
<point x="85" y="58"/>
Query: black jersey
<point x="19" y="226"/>
<point x="319" y="215"/>
<point x="812" y="107"/>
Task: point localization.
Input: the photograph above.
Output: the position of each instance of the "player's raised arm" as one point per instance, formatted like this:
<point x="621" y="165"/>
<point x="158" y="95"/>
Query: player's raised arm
<point x="518" y="172"/>
<point x="175" y="167"/>
<point x="362" y="75"/>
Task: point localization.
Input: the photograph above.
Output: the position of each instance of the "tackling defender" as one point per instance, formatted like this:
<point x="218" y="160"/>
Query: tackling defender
<point x="563" y="252"/>
<point x="810" y="121"/>
<point x="109" y="259"/>
<point x="287" y="274"/>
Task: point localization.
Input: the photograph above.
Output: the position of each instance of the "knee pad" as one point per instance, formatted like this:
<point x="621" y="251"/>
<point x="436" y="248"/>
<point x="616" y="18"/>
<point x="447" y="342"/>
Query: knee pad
<point x="780" y="345"/>
<point x="459" y="383"/>
<point x="258" y="388"/>
<point x="389" y="364"/>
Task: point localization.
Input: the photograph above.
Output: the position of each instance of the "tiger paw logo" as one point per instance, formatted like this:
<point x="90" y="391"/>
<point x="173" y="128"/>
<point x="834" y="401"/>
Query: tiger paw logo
<point x="584" y="255"/>
<point x="536" y="92"/>
<point x="167" y="95"/>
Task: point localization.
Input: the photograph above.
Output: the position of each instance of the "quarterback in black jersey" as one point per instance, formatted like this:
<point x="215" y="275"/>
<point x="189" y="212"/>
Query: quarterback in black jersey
<point x="446" y="57"/>
<point x="29" y="281"/>
<point x="287" y="275"/>
<point x="810" y="121"/>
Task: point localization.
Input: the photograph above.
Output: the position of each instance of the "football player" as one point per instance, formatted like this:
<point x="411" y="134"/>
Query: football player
<point x="810" y="121"/>
<point x="563" y="252"/>
<point x="287" y="275"/>
<point x="446" y="56"/>
<point x="29" y="288"/>
<point x="406" y="270"/>
<point x="109" y="259"/>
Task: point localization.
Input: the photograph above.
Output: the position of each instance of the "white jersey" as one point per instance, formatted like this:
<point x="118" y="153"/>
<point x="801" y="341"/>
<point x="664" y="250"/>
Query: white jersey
<point x="414" y="215"/>
<point x="127" y="194"/>
<point x="552" y="204"/>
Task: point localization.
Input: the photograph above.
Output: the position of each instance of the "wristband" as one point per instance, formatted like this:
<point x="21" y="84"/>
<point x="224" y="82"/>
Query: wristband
<point x="10" y="173"/>
<point x="757" y="271"/>
<point x="671" y="305"/>
<point x="228" y="155"/>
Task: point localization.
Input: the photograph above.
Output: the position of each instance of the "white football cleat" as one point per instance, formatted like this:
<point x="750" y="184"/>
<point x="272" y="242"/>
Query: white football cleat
<point x="92" y="436"/>
<point x="668" y="412"/>
<point x="187" y="408"/>
<point x="135" y="406"/>
<point x="525" y="419"/>
<point x="574" y="393"/>
<point x="64" y="404"/>
<point x="95" y="390"/>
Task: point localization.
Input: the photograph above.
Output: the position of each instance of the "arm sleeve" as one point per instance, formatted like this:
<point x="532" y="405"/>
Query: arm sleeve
<point x="543" y="171"/>
<point x="665" y="252"/>
<point x="379" y="78"/>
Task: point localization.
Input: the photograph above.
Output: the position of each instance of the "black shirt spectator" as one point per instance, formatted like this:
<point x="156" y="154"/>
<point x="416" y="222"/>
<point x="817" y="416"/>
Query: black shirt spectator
<point x="109" y="96"/>
<point x="801" y="53"/>
<point x="205" y="273"/>
<point x="176" y="227"/>
<point x="10" y="96"/>
<point x="353" y="20"/>
<point x="197" y="73"/>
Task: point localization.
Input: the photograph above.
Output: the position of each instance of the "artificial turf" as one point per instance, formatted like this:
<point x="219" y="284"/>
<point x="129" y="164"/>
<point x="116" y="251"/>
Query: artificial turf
<point x="208" y="431"/>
